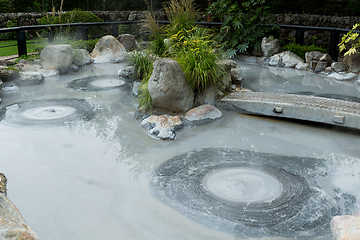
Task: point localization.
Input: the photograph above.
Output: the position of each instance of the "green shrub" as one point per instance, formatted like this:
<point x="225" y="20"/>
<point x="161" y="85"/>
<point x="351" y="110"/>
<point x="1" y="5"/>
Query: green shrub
<point x="242" y="24"/>
<point x="75" y="16"/>
<point x="9" y="35"/>
<point x="300" y="50"/>
<point x="350" y="42"/>
<point x="194" y="51"/>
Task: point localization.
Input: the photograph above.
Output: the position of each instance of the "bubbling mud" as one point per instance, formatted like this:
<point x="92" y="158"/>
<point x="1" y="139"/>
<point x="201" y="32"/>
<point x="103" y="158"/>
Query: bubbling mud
<point x="251" y="194"/>
<point x="48" y="112"/>
<point x="97" y="83"/>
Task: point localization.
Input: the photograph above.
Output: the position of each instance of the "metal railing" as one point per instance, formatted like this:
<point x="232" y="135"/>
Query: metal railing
<point x="83" y="32"/>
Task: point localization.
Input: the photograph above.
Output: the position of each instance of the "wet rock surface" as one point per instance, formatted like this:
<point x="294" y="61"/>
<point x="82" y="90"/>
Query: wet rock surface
<point x="286" y="59"/>
<point x="29" y="78"/>
<point x="12" y="224"/>
<point x="203" y="114"/>
<point x="108" y="49"/>
<point x="353" y="62"/>
<point x="57" y="57"/>
<point x="206" y="186"/>
<point x="7" y="75"/>
<point x="346" y="227"/>
<point x="168" y="87"/>
<point x="162" y="127"/>
<point x="129" y="42"/>
<point x="82" y="57"/>
<point x="270" y="47"/>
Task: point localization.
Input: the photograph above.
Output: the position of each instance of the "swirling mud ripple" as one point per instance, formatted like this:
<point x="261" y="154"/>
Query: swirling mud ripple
<point x="47" y="112"/>
<point x="98" y="83"/>
<point x="250" y="194"/>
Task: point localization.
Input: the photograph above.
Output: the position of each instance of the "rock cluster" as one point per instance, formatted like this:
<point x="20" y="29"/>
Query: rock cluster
<point x="12" y="224"/>
<point x="165" y="127"/>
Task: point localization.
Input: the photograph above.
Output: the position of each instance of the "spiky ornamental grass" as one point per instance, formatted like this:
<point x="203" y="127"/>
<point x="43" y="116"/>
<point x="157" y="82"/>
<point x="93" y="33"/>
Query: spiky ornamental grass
<point x="182" y="15"/>
<point x="195" y="52"/>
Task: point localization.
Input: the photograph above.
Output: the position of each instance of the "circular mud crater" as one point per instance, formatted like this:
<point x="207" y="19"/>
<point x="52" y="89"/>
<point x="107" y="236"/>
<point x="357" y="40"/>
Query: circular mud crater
<point x="97" y="83"/>
<point x="251" y="194"/>
<point x="47" y="112"/>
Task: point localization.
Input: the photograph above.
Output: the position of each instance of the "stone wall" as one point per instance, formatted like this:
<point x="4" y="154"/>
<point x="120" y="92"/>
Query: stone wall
<point x="26" y="19"/>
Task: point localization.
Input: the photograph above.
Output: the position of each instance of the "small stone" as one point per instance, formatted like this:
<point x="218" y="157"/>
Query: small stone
<point x="29" y="78"/>
<point x="162" y="127"/>
<point x="203" y="114"/>
<point x="338" y="66"/>
<point x="302" y="66"/>
<point x="236" y="76"/>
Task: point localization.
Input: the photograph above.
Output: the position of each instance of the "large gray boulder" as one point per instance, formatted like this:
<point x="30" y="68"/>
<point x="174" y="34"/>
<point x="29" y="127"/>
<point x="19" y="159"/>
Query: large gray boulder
<point x="108" y="49"/>
<point x="12" y="224"/>
<point x="168" y="87"/>
<point x="57" y="57"/>
<point x="353" y="62"/>
<point x="270" y="46"/>
<point x="129" y="42"/>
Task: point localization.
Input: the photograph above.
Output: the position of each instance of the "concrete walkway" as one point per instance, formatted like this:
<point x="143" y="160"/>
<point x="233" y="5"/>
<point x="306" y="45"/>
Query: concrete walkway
<point x="304" y="107"/>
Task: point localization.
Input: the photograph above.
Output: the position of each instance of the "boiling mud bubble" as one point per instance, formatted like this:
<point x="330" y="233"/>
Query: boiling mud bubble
<point x="250" y="194"/>
<point x="47" y="112"/>
<point x="97" y="83"/>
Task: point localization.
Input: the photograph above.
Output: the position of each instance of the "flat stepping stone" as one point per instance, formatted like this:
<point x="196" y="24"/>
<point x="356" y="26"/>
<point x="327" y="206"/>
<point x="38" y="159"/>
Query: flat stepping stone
<point x="303" y="107"/>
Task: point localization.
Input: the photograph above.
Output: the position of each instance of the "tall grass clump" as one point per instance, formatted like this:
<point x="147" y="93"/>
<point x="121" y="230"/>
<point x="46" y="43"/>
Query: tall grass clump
<point x="195" y="51"/>
<point x="143" y="67"/>
<point x="182" y="15"/>
<point x="157" y="37"/>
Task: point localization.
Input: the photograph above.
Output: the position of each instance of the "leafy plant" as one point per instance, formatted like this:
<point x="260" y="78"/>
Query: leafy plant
<point x="350" y="41"/>
<point x="242" y="26"/>
<point x="194" y="51"/>
<point x="143" y="67"/>
<point x="300" y="50"/>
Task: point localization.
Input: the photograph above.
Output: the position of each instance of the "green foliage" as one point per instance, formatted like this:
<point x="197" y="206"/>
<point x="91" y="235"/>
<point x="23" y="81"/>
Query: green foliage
<point x="27" y="57"/>
<point x="6" y="6"/>
<point x="194" y="51"/>
<point x="182" y="15"/>
<point x="241" y="29"/>
<point x="143" y="64"/>
<point x="9" y="35"/>
<point x="74" y="16"/>
<point x="300" y="50"/>
<point x="350" y="41"/>
<point x="157" y="45"/>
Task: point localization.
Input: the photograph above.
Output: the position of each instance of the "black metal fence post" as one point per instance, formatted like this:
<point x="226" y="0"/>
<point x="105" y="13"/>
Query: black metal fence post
<point x="21" y="42"/>
<point x="333" y="48"/>
<point x="299" y="37"/>
<point x="114" y="30"/>
<point x="83" y="33"/>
